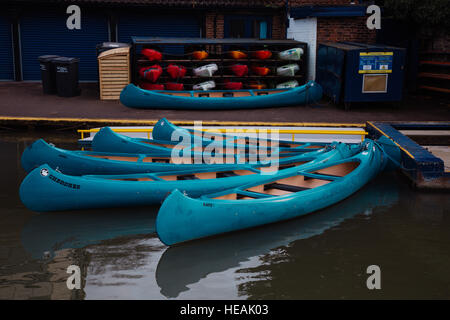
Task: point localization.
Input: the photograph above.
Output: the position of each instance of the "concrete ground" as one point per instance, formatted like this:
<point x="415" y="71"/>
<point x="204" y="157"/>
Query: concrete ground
<point x="25" y="99"/>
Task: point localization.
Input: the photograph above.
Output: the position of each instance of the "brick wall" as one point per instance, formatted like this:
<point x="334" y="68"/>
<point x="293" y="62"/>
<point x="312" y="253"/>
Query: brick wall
<point x="210" y="19"/>
<point x="279" y="26"/>
<point x="440" y="42"/>
<point x="344" y="29"/>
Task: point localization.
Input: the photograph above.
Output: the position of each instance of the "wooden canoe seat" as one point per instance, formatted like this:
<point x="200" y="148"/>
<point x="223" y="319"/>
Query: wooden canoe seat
<point x="226" y="174"/>
<point x="187" y="177"/>
<point x="320" y="176"/>
<point x="251" y="194"/>
<point x="284" y="187"/>
<point x="161" y="160"/>
<point x="286" y="166"/>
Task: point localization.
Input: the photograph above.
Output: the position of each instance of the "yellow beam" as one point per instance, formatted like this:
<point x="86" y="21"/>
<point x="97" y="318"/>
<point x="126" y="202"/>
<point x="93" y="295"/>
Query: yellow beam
<point x="384" y="134"/>
<point x="293" y="131"/>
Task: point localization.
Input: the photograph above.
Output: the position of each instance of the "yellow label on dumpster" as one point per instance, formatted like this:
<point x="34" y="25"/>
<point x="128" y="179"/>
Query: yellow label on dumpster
<point x="375" y="62"/>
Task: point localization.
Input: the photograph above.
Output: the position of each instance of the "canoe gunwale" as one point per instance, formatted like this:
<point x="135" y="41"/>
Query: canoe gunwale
<point x="210" y="197"/>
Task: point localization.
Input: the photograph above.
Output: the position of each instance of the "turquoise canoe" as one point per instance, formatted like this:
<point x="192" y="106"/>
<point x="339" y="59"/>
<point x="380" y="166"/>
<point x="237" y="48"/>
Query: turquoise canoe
<point x="287" y="195"/>
<point x="92" y="162"/>
<point x="164" y="130"/>
<point x="135" y="97"/>
<point x="45" y="189"/>
<point x="106" y="140"/>
<point x="181" y="266"/>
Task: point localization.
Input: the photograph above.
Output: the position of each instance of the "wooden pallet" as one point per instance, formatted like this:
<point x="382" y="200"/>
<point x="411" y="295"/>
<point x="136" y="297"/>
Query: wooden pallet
<point x="114" y="72"/>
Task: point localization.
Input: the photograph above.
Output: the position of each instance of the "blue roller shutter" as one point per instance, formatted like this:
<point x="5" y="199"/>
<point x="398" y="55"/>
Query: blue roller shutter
<point x="6" y="51"/>
<point x="45" y="32"/>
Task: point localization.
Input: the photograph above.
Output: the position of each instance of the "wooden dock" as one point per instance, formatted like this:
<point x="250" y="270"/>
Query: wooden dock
<point x="427" y="165"/>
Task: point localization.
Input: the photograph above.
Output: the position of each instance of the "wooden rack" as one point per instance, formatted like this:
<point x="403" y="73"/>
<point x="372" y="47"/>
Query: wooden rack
<point x="177" y="51"/>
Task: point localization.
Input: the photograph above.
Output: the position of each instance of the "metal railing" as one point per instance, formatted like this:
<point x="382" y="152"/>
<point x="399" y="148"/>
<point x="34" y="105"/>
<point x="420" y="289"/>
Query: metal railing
<point x="293" y="132"/>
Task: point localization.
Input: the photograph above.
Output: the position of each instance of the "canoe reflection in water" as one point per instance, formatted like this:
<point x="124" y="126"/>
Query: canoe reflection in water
<point x="49" y="232"/>
<point x="186" y="264"/>
<point x="179" y="267"/>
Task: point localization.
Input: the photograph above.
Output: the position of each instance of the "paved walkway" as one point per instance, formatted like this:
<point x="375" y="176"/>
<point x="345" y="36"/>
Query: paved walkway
<point x="25" y="99"/>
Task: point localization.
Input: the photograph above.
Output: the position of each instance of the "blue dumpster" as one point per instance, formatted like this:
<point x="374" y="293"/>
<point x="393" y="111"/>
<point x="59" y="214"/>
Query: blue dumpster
<point x="356" y="72"/>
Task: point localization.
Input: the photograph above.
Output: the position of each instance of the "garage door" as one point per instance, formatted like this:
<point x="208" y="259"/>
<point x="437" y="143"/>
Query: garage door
<point x="45" y="32"/>
<point x="141" y="25"/>
<point x="6" y="52"/>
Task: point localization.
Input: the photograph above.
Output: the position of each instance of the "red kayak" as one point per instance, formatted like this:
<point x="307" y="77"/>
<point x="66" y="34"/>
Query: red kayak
<point x="151" y="54"/>
<point x="260" y="71"/>
<point x="239" y="70"/>
<point x="151" y="86"/>
<point x="174" y="86"/>
<point x="151" y="73"/>
<point x="233" y="85"/>
<point x="262" y="54"/>
<point x="176" y="72"/>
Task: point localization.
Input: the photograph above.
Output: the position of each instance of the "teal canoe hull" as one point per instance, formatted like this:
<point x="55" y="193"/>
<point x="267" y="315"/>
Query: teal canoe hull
<point x="135" y="97"/>
<point x="164" y="130"/>
<point x="181" y="266"/>
<point x="89" y="162"/>
<point x="182" y="218"/>
<point x="45" y="189"/>
<point x="106" y="140"/>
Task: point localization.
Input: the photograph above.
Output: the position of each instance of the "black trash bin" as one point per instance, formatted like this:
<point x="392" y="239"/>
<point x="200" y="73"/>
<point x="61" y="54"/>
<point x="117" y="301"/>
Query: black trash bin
<point x="48" y="74"/>
<point x="66" y="76"/>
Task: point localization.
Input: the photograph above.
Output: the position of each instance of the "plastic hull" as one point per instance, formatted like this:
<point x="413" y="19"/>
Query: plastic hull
<point x="207" y="216"/>
<point x="134" y="97"/>
<point x="45" y="189"/>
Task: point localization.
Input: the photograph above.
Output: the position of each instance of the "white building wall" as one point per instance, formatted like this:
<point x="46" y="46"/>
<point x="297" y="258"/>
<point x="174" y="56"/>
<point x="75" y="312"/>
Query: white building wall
<point x="305" y="30"/>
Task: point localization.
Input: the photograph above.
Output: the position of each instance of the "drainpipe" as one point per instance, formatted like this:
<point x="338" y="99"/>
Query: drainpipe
<point x="15" y="35"/>
<point x="287" y="14"/>
<point x="215" y="25"/>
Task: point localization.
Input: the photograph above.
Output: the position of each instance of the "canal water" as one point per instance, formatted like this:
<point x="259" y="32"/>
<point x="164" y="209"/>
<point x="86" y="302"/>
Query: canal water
<point x="321" y="256"/>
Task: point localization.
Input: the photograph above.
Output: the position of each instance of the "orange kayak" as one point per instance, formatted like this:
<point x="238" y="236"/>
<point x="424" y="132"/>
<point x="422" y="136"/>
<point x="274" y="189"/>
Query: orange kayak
<point x="199" y="55"/>
<point x="237" y="55"/>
